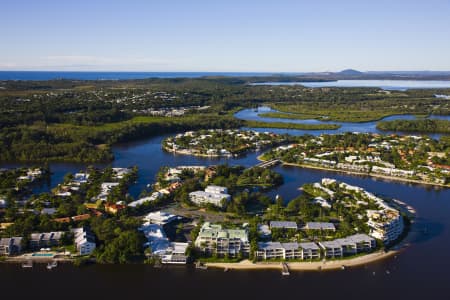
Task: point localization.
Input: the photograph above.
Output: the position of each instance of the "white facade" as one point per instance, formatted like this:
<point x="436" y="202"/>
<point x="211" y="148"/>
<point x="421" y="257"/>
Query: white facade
<point x="84" y="242"/>
<point x="212" y="195"/>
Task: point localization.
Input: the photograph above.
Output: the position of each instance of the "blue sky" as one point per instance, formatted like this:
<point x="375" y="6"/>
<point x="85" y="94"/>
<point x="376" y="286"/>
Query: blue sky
<point x="194" y="35"/>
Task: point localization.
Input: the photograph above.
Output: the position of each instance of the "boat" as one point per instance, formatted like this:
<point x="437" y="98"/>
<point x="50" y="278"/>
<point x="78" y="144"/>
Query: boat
<point x="201" y="266"/>
<point x="27" y="264"/>
<point x="342" y="267"/>
<point x="225" y="270"/>
<point x="52" y="265"/>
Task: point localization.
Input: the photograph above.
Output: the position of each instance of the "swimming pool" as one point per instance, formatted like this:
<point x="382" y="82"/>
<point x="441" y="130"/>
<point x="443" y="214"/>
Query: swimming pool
<point x="42" y="254"/>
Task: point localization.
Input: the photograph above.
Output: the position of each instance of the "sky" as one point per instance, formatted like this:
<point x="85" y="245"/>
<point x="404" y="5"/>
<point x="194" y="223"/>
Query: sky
<point x="224" y="36"/>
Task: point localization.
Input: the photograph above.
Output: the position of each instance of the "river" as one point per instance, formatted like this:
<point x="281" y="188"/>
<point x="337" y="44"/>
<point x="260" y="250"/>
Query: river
<point x="422" y="270"/>
<point x="395" y="85"/>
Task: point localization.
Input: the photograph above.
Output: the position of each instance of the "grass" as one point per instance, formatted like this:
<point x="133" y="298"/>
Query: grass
<point x="290" y="116"/>
<point x="340" y="114"/>
<point x="259" y="124"/>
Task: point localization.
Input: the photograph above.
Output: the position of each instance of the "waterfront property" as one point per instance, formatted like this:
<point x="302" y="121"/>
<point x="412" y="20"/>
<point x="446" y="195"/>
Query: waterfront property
<point x="175" y="253"/>
<point x="276" y="250"/>
<point x="213" y="239"/>
<point x="386" y="225"/>
<point x="84" y="241"/>
<point x="215" y="195"/>
<point x="10" y="246"/>
<point x="45" y="239"/>
<point x="337" y="248"/>
<point x="160" y="246"/>
<point x="351" y="245"/>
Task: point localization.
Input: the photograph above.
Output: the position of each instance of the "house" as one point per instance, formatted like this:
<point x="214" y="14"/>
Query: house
<point x="45" y="239"/>
<point x="10" y="246"/>
<point x="154" y="196"/>
<point x="276" y="250"/>
<point x="84" y="241"/>
<point x="283" y="225"/>
<point x="157" y="240"/>
<point x="332" y="249"/>
<point x="175" y="253"/>
<point x="160" y="218"/>
<point x="213" y="239"/>
<point x="114" y="208"/>
<point x="357" y="243"/>
<point x="48" y="211"/>
<point x="215" y="195"/>
<point x="319" y="226"/>
<point x="264" y="231"/>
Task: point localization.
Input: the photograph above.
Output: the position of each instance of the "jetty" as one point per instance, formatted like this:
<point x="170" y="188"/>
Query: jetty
<point x="284" y="269"/>
<point x="200" y="265"/>
<point x="27" y="264"/>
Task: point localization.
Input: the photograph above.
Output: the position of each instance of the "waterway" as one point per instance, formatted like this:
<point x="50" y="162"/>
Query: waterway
<point x="253" y="115"/>
<point x="420" y="271"/>
<point x="399" y="85"/>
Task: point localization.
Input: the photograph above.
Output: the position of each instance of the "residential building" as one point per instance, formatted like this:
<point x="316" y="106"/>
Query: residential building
<point x="160" y="218"/>
<point x="357" y="243"/>
<point x="45" y="239"/>
<point x="10" y="246"/>
<point x="213" y="239"/>
<point x="386" y="225"/>
<point x="276" y="250"/>
<point x="175" y="253"/>
<point x="114" y="208"/>
<point x="215" y="195"/>
<point x="319" y="226"/>
<point x="84" y="241"/>
<point x="283" y="225"/>
<point x="332" y="249"/>
<point x="154" y="196"/>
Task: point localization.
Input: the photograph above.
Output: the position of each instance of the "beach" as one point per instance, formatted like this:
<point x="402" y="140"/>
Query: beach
<point x="307" y="266"/>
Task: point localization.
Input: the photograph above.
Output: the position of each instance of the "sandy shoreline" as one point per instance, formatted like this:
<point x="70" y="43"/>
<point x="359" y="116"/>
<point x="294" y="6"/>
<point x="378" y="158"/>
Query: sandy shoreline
<point x="307" y="266"/>
<point x="393" y="178"/>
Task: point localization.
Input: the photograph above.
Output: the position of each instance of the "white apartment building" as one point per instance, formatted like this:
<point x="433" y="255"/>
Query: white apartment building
<point x="215" y="195"/>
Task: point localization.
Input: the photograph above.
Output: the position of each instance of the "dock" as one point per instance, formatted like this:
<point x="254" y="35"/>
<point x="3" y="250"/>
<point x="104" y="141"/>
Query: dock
<point x="284" y="269"/>
<point x="201" y="266"/>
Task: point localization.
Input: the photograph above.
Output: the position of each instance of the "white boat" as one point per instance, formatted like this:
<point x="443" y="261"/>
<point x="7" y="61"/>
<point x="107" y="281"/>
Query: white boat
<point x="52" y="265"/>
<point x="27" y="264"/>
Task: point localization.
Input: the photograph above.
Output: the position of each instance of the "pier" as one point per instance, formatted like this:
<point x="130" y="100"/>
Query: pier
<point x="284" y="269"/>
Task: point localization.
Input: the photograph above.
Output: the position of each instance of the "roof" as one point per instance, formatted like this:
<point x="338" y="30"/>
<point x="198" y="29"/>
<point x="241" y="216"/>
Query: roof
<point x="269" y="245"/>
<point x="283" y="224"/>
<point x="330" y="244"/>
<point x="319" y="226"/>
<point x="309" y="246"/>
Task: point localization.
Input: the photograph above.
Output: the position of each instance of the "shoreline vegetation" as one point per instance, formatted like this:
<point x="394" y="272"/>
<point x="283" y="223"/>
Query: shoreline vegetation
<point x="420" y="126"/>
<point x="393" y="178"/>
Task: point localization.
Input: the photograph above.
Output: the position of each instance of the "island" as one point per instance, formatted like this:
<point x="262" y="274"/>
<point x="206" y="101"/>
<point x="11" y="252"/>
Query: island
<point x="221" y="143"/>
<point x="417" y="159"/>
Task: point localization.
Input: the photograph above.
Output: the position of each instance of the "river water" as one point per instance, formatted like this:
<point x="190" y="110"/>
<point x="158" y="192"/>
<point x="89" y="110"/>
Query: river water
<point x="399" y="85"/>
<point x="422" y="270"/>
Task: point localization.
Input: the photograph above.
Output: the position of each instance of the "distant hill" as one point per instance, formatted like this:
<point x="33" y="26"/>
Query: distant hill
<point x="350" y="72"/>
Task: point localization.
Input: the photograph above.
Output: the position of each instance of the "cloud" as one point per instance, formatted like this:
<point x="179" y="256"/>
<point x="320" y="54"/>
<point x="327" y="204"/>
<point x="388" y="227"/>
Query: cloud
<point x="90" y="63"/>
